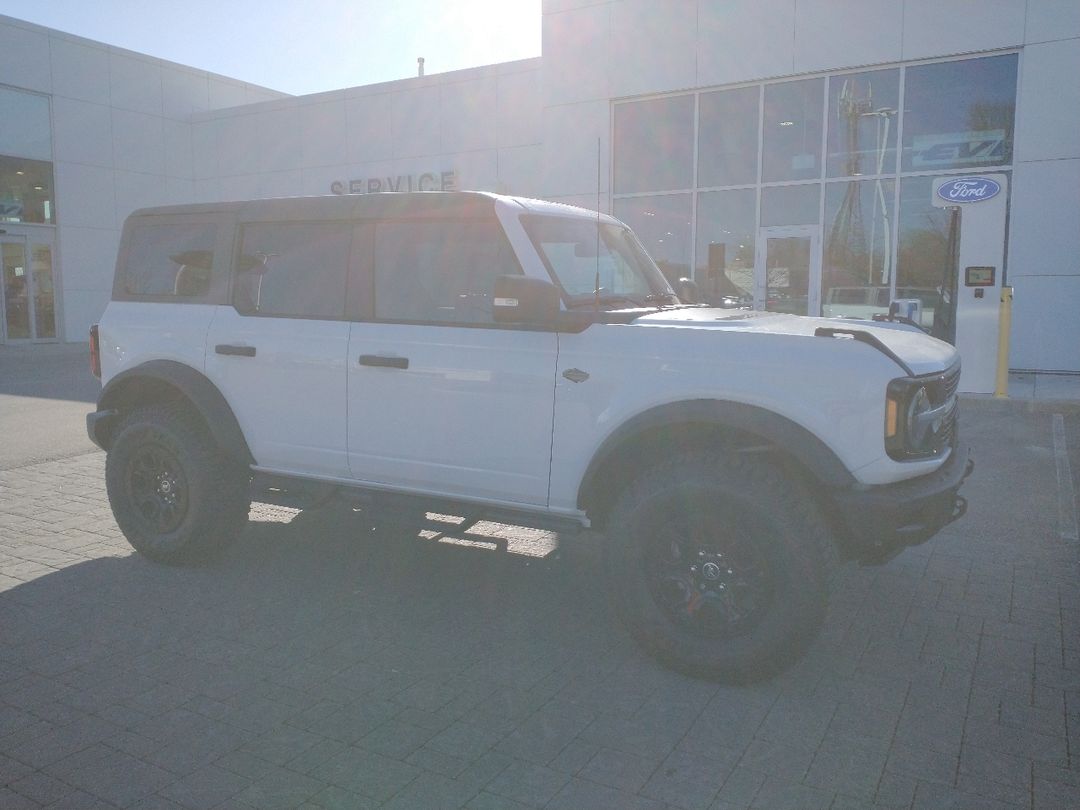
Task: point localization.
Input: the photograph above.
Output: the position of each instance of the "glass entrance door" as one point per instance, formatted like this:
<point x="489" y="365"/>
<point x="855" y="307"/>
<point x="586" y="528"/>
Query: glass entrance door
<point x="787" y="274"/>
<point x="27" y="295"/>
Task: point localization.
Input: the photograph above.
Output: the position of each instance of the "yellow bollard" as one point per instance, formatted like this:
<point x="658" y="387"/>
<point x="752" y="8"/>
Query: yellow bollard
<point x="1001" y="383"/>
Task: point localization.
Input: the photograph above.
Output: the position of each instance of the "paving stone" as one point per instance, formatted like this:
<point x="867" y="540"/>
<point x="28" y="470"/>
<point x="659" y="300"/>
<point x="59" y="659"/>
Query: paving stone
<point x="120" y="778"/>
<point x="528" y="783"/>
<point x="367" y="773"/>
<point x="333" y="797"/>
<point x="205" y="788"/>
<point x="580" y="793"/>
<point x="279" y="789"/>
<point x="41" y="788"/>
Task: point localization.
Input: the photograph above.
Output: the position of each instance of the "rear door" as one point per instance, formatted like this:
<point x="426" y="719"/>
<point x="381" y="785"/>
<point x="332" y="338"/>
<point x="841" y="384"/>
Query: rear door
<point x="277" y="351"/>
<point x="441" y="399"/>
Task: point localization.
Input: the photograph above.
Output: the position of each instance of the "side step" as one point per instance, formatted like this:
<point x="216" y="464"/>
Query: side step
<point x="299" y="493"/>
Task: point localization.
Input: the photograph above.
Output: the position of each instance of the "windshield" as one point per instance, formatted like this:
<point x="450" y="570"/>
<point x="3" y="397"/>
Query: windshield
<point x="609" y="264"/>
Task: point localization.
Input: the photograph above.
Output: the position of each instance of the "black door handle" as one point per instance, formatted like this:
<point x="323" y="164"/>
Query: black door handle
<point x="384" y="362"/>
<point x="239" y="351"/>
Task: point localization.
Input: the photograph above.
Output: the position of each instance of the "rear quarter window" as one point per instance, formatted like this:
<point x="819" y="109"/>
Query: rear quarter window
<point x="168" y="259"/>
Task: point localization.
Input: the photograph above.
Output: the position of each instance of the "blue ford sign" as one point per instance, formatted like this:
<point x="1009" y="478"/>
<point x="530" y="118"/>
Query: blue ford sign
<point x="968" y="190"/>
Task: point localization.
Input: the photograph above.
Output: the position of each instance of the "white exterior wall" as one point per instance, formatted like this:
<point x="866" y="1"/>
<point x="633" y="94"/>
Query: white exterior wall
<point x="121" y="140"/>
<point x="482" y="123"/>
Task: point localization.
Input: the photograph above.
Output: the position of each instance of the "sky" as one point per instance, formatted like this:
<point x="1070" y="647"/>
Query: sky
<point x="303" y="46"/>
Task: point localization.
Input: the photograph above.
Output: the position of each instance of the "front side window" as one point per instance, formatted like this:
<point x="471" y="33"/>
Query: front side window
<point x="439" y="271"/>
<point x="592" y="261"/>
<point x="169" y="259"/>
<point x="293" y="269"/>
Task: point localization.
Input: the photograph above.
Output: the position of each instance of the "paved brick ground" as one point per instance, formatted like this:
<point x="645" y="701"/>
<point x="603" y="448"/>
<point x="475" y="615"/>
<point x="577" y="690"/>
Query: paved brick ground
<point x="324" y="663"/>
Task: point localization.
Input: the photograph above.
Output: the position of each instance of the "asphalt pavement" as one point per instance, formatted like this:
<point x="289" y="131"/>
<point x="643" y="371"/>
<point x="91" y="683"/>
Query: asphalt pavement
<point x="45" y="393"/>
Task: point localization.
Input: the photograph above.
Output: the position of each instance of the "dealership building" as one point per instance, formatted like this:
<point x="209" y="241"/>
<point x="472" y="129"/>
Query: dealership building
<point x="785" y="154"/>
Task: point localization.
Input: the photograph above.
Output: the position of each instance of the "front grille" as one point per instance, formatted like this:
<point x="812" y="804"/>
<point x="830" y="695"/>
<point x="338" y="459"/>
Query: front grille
<point x="941" y="389"/>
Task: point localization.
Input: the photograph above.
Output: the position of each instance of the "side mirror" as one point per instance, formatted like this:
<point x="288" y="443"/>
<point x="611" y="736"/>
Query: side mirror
<point x="520" y="299"/>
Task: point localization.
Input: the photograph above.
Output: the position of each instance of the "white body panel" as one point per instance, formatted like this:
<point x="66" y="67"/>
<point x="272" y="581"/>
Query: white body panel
<point x="132" y="333"/>
<point x="469" y="417"/>
<point x="290" y="397"/>
<point x="832" y="387"/>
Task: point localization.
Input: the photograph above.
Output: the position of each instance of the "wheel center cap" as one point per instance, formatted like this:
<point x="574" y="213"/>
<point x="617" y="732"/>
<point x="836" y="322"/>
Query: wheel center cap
<point x="166" y="487"/>
<point x="711" y="571"/>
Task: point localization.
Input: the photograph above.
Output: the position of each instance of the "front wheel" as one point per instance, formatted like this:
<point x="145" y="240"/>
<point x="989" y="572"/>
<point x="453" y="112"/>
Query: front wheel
<point x="718" y="566"/>
<point x="176" y="497"/>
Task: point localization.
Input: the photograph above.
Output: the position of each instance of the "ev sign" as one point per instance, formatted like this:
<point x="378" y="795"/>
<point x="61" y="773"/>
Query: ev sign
<point x="969" y="190"/>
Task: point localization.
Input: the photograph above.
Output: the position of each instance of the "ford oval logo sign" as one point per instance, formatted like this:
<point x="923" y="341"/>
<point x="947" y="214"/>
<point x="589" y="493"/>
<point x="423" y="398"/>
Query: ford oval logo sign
<point x="968" y="190"/>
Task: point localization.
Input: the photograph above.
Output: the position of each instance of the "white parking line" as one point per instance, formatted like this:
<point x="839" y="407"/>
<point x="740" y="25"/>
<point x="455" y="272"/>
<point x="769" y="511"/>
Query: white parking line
<point x="1066" y="491"/>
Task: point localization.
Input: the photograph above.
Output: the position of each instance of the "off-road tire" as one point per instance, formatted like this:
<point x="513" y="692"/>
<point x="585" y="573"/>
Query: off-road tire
<point x="168" y="444"/>
<point x="719" y="501"/>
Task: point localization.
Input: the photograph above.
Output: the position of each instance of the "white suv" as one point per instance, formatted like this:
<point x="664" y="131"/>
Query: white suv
<point x="527" y="362"/>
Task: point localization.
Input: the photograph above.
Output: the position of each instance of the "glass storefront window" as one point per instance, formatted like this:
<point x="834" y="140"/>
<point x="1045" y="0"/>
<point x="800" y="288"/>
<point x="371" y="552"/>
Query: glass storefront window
<point x="663" y="225"/>
<point x="728" y="137"/>
<point x="793" y="122"/>
<point x="654" y="145"/>
<point x="959" y="114"/>
<point x="862" y="119"/>
<point x="725" y="246"/>
<point x="791" y="205"/>
<point x="856" y="272"/>
<point x="26" y="191"/>
<point x="26" y="131"/>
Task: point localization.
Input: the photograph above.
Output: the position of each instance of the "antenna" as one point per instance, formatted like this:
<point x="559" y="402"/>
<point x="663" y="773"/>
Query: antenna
<point x="596" y="285"/>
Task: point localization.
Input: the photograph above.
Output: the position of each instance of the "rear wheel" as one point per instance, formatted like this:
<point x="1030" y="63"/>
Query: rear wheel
<point x="718" y="566"/>
<point x="176" y="497"/>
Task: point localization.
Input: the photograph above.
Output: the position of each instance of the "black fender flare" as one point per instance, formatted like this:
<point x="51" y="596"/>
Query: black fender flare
<point x="770" y="427"/>
<point x="121" y="393"/>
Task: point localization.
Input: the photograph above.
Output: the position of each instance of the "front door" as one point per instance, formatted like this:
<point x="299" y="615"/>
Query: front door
<point x="441" y="398"/>
<point x="27" y="297"/>
<point x="787" y="273"/>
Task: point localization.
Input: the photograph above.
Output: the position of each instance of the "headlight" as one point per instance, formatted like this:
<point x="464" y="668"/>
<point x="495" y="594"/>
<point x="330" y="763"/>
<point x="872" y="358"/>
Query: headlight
<point x="919" y="416"/>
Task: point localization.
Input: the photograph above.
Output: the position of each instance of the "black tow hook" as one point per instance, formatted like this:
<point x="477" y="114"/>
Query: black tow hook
<point x="959" y="508"/>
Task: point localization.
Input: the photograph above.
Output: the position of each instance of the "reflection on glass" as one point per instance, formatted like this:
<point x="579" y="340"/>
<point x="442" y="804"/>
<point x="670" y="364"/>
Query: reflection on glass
<point x="862" y="119"/>
<point x="16" y="292"/>
<point x="959" y="114"/>
<point x="725" y="246"/>
<point x="857" y="268"/>
<point x="922" y="262"/>
<point x="26" y="190"/>
<point x="793" y="130"/>
<point x="44" y="296"/>
<point x="791" y="205"/>
<point x="787" y="274"/>
<point x="663" y="226"/>
<point x="728" y="137"/>
<point x="654" y="145"/>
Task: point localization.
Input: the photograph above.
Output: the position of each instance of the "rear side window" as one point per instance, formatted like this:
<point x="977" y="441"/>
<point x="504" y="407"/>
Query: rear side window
<point x="439" y="271"/>
<point x="169" y="259"/>
<point x="293" y="269"/>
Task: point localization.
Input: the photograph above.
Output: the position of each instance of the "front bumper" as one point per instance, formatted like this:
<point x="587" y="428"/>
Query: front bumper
<point x="883" y="520"/>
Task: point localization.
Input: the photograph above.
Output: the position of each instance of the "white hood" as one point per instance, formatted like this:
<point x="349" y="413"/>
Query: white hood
<point x="922" y="353"/>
